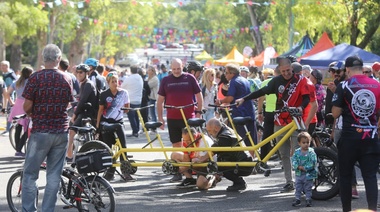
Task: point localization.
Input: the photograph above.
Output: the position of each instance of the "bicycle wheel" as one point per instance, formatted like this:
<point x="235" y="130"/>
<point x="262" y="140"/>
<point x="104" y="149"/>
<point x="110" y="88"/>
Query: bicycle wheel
<point x="14" y="191"/>
<point x="99" y="195"/>
<point x="11" y="135"/>
<point x="326" y="186"/>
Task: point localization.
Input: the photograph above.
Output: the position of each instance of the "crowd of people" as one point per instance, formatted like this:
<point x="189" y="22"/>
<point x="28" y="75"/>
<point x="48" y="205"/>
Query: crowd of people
<point x="352" y="99"/>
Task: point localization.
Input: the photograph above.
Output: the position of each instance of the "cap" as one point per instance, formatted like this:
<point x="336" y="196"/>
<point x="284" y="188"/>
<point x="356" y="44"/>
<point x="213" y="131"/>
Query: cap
<point x="353" y="61"/>
<point x="297" y="67"/>
<point x="376" y="66"/>
<point x="338" y="66"/>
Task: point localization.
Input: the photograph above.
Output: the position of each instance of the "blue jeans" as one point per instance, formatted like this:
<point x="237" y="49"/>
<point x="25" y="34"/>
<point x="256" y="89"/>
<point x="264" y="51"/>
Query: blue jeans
<point x="303" y="185"/>
<point x="152" y="110"/>
<point x="134" y="119"/>
<point x="40" y="146"/>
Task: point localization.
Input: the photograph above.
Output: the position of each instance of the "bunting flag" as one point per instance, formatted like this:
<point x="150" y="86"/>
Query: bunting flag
<point x="79" y="4"/>
<point x="171" y="31"/>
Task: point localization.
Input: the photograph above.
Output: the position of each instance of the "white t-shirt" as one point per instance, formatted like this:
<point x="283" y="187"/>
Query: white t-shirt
<point x="210" y="142"/>
<point x="134" y="85"/>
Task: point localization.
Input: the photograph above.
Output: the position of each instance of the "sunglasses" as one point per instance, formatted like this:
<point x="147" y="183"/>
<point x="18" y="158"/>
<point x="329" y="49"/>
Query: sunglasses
<point x="366" y="72"/>
<point x="110" y="74"/>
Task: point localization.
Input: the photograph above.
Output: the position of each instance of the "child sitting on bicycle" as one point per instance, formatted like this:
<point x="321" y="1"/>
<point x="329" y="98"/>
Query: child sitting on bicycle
<point x="304" y="162"/>
<point x="202" y="182"/>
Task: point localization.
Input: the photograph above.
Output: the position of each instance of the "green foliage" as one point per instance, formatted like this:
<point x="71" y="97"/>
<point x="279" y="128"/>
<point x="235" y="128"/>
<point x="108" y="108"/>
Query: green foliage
<point x="110" y="28"/>
<point x="16" y="20"/>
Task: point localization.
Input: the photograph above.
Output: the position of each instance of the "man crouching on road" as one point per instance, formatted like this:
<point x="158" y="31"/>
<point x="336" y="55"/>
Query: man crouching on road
<point x="224" y="137"/>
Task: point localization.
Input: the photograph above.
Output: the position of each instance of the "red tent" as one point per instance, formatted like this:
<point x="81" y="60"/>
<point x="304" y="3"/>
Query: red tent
<point x="259" y="59"/>
<point x="323" y="44"/>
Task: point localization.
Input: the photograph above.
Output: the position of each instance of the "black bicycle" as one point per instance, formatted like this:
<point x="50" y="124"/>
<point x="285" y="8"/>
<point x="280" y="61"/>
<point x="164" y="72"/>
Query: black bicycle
<point x="77" y="189"/>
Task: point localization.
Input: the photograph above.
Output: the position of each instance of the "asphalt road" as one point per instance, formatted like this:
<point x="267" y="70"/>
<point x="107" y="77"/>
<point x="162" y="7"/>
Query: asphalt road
<point x="153" y="192"/>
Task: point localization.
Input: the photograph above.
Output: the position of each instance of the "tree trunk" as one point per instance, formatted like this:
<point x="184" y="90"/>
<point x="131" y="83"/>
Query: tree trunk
<point x="15" y="60"/>
<point x="2" y="47"/>
<point x="52" y="20"/>
<point x="256" y="34"/>
<point x="354" y="24"/>
<point x="41" y="43"/>
<point x="76" y="52"/>
<point x="370" y="32"/>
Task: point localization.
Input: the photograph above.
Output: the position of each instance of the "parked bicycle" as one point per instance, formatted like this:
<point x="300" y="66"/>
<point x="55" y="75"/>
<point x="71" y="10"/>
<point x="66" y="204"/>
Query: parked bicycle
<point x="86" y="193"/>
<point x="18" y="131"/>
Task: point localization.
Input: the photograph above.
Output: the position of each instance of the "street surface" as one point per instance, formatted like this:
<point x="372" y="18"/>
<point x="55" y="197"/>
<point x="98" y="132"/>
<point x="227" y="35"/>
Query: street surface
<point x="153" y="192"/>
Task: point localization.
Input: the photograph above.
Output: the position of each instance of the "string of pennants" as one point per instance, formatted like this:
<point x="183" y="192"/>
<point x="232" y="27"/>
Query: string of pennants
<point x="170" y="31"/>
<point x="73" y="4"/>
<point x="183" y="35"/>
<point x="124" y="30"/>
<point x="179" y="3"/>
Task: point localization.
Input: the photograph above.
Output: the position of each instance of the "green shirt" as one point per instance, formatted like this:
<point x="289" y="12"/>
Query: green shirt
<point x="270" y="99"/>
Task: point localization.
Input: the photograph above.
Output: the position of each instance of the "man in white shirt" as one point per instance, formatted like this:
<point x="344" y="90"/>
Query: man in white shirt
<point x="134" y="85"/>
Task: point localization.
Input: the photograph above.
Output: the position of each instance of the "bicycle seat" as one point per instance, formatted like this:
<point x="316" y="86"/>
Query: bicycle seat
<point x="152" y="125"/>
<point x="111" y="127"/>
<point x="241" y="120"/>
<point x="82" y="129"/>
<point x="195" y="122"/>
<point x="19" y="117"/>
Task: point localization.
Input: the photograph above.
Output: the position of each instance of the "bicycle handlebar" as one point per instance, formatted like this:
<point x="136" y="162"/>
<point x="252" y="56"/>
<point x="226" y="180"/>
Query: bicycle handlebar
<point x="180" y="107"/>
<point x="137" y="108"/>
<point x="222" y="106"/>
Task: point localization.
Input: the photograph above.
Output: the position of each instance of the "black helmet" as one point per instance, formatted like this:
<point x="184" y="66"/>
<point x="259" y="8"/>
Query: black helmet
<point x="83" y="67"/>
<point x="292" y="58"/>
<point x="193" y="65"/>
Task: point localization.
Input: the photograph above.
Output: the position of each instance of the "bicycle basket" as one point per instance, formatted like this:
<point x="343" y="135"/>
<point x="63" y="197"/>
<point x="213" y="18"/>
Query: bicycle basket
<point x="96" y="160"/>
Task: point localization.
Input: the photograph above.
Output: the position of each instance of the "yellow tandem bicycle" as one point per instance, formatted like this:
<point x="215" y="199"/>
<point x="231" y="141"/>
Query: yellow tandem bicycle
<point x="326" y="186"/>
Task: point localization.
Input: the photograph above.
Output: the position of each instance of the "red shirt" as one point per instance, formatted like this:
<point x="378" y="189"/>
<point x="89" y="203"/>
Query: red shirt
<point x="179" y="91"/>
<point x="51" y="92"/>
<point x="313" y="98"/>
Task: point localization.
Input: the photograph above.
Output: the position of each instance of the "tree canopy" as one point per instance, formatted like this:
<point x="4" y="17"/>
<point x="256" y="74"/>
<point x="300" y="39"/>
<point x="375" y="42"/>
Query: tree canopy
<point x="105" y="28"/>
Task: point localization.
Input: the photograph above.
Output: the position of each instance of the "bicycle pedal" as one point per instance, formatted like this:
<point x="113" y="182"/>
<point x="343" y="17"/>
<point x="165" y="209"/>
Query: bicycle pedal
<point x="129" y="156"/>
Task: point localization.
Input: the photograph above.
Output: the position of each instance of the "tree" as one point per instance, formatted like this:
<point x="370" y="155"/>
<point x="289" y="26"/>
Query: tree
<point x="354" y="22"/>
<point x="21" y="26"/>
